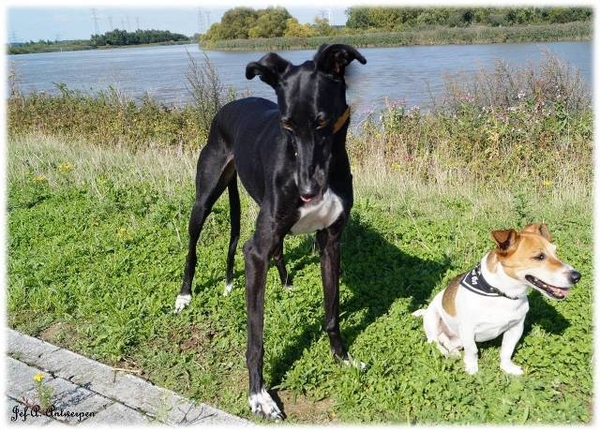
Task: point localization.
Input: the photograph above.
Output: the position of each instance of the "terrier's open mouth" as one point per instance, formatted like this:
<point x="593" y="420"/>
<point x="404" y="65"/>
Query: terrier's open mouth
<point x="553" y="292"/>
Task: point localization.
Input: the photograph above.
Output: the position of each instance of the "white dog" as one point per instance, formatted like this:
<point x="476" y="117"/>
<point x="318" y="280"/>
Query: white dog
<point x="492" y="298"/>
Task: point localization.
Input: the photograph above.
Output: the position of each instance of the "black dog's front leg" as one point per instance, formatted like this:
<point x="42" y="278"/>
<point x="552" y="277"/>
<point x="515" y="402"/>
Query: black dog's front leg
<point x="329" y="245"/>
<point x="257" y="256"/>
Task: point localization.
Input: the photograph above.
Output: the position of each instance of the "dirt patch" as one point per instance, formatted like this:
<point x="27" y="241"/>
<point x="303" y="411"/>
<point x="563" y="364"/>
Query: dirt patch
<point x="195" y="338"/>
<point x="59" y="333"/>
<point x="306" y="411"/>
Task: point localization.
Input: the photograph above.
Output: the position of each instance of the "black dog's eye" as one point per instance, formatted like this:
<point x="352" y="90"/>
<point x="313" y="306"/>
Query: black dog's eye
<point x="540" y="256"/>
<point x="287" y="125"/>
<point x="322" y="123"/>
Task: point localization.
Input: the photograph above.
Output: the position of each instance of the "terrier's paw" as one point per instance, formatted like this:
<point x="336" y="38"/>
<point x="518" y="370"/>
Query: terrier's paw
<point x="228" y="289"/>
<point x="471" y="367"/>
<point x="510" y="367"/>
<point x="181" y="302"/>
<point x="263" y="405"/>
<point x="420" y="312"/>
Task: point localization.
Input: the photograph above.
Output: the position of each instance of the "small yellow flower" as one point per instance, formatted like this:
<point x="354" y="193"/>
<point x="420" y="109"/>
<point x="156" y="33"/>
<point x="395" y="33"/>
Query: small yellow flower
<point x="122" y="233"/>
<point x="38" y="377"/>
<point x="547" y="183"/>
<point x="39" y="178"/>
<point x="65" y="167"/>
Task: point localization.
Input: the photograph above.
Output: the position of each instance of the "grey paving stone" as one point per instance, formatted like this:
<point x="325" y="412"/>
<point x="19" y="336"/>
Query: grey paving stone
<point x="118" y="414"/>
<point x="25" y="348"/>
<point x="207" y="415"/>
<point x="81" y="370"/>
<point x="106" y="396"/>
<point x="19" y="378"/>
<point x="73" y="403"/>
<point x="17" y="414"/>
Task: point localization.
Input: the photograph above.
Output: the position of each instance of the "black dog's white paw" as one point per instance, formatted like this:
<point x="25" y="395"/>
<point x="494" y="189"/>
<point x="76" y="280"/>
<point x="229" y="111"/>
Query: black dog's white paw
<point x="181" y="302"/>
<point x="263" y="405"/>
<point x="349" y="361"/>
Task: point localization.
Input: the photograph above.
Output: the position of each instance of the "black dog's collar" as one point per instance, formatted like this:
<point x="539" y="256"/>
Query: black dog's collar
<point x="475" y="282"/>
<point x="339" y="123"/>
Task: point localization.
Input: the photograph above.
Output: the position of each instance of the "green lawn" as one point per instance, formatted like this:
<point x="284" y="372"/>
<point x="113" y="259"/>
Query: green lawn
<point x="96" y="246"/>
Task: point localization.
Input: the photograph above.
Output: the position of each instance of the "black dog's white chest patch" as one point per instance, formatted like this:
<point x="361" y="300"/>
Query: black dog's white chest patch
<point x="318" y="216"/>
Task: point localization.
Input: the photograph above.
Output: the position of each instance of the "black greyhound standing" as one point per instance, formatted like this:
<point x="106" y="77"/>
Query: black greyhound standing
<point x="291" y="158"/>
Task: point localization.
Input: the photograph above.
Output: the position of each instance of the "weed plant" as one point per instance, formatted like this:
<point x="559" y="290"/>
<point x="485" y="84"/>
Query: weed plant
<point x="110" y="118"/>
<point x="97" y="237"/>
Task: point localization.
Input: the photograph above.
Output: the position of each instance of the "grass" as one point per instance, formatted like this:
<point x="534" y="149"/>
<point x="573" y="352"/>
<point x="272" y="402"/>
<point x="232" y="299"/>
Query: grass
<point x="97" y="234"/>
<point x="97" y="243"/>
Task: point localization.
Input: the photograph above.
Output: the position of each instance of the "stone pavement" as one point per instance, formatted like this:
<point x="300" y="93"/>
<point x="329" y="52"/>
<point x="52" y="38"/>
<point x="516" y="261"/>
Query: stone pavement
<point x="88" y="392"/>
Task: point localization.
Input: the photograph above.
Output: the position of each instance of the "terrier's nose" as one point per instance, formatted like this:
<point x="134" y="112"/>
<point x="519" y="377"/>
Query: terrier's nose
<point x="574" y="276"/>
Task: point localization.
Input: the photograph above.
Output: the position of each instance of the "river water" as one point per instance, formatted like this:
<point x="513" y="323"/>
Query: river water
<point x="410" y="75"/>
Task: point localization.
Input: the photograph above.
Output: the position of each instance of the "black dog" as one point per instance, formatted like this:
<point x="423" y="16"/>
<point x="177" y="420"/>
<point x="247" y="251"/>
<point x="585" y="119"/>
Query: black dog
<point x="291" y="158"/>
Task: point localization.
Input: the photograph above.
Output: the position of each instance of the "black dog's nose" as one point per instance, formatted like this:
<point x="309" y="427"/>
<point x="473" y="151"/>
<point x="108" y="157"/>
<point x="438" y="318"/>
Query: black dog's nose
<point x="575" y="276"/>
<point x="309" y="192"/>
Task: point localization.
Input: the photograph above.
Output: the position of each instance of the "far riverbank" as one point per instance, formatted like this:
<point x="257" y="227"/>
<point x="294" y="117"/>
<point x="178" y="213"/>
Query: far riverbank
<point x="568" y="32"/>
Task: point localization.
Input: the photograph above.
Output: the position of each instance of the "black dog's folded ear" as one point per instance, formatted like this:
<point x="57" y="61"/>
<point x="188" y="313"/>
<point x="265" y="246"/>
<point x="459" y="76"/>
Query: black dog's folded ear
<point x="269" y="68"/>
<point x="333" y="59"/>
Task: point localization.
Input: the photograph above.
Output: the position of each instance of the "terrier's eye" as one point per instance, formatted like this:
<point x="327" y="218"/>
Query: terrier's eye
<point x="540" y="256"/>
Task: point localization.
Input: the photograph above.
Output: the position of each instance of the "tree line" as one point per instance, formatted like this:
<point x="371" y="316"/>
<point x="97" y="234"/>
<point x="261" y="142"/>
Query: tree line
<point x="118" y="37"/>
<point x="110" y="38"/>
<point x="249" y="23"/>
<point x="400" y="18"/>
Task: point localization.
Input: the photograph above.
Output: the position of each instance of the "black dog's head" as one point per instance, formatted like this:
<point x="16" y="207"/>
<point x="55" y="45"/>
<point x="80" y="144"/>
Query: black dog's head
<point x="312" y="103"/>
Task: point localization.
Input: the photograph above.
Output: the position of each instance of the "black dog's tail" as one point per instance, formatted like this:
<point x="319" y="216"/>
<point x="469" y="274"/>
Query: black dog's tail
<point x="234" y="215"/>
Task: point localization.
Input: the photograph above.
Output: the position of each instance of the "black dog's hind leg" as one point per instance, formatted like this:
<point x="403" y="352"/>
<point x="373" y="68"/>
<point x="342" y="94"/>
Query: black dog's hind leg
<point x="214" y="173"/>
<point x="329" y="246"/>
<point x="286" y="280"/>
<point x="234" y="215"/>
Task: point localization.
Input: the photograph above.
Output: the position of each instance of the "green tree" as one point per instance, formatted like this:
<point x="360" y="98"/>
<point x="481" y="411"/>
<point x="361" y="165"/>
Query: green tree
<point x="321" y="27"/>
<point x="358" y="18"/>
<point x="271" y="22"/>
<point x="295" y="29"/>
<point x="235" y="24"/>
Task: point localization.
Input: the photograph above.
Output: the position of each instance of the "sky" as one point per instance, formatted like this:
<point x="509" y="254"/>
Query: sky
<point x="67" y="19"/>
<point x="60" y="20"/>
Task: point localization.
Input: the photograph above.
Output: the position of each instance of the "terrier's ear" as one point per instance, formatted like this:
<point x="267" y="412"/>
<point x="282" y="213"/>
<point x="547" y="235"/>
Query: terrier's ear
<point x="539" y="228"/>
<point x="505" y="239"/>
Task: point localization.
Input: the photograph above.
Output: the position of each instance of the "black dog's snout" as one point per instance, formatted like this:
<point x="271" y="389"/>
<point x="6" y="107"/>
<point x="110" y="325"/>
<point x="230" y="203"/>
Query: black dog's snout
<point x="574" y="276"/>
<point x="309" y="192"/>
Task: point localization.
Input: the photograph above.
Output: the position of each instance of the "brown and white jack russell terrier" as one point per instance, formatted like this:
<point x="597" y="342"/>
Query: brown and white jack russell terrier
<point x="492" y="298"/>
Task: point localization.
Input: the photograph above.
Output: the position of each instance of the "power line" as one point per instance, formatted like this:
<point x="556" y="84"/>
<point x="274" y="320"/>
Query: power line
<point x="95" y="19"/>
